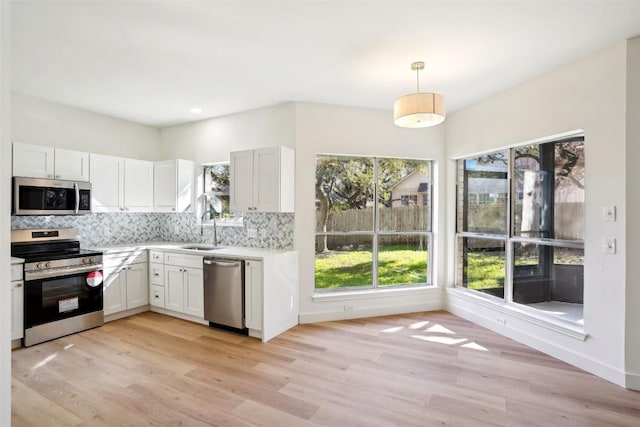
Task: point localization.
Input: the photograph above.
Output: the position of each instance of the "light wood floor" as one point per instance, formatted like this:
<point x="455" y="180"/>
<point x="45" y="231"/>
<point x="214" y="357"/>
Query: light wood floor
<point x="410" y="370"/>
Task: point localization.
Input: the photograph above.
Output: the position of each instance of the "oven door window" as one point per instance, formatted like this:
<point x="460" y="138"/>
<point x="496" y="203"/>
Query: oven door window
<point x="57" y="298"/>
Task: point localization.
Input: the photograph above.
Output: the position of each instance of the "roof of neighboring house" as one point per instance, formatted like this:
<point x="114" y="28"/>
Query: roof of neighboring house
<point x="406" y="178"/>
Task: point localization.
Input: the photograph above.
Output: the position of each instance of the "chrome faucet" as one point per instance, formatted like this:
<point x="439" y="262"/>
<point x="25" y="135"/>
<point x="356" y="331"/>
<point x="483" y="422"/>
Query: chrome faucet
<point x="202" y="222"/>
<point x="215" y="227"/>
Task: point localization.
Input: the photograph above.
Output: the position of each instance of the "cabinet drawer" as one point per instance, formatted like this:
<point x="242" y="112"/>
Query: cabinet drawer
<point x="156" y="256"/>
<point x="16" y="271"/>
<point x="156" y="274"/>
<point x="182" y="260"/>
<point x="156" y="295"/>
<point x="125" y="258"/>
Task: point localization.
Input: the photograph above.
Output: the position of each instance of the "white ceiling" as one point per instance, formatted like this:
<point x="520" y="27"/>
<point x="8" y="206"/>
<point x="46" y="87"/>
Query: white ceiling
<point x="151" y="61"/>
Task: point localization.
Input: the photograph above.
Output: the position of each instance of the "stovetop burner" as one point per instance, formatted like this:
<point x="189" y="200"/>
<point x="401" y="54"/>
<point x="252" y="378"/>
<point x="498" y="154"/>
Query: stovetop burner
<point x="48" y="245"/>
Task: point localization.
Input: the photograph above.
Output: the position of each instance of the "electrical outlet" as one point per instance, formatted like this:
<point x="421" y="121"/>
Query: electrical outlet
<point x="252" y="233"/>
<point x="608" y="246"/>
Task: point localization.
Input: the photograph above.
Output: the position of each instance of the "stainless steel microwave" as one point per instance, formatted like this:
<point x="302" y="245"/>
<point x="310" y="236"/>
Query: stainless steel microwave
<point x="35" y="196"/>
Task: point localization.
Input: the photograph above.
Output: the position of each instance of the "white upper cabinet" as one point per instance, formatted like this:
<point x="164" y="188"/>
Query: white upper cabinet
<point x="138" y="185"/>
<point x="120" y="184"/>
<point x="37" y="161"/>
<point x="71" y="165"/>
<point x="174" y="185"/>
<point x="262" y="180"/>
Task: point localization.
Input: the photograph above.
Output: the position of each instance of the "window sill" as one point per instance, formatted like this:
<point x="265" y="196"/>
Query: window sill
<point x="373" y="293"/>
<point x="571" y="329"/>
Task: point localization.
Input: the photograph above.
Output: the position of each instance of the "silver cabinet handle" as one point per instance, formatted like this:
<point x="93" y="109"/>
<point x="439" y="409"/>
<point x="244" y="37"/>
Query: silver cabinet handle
<point x="18" y="285"/>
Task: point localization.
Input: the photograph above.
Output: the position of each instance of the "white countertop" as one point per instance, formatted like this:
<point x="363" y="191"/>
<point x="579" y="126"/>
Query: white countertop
<point x="15" y="260"/>
<point x="229" y="251"/>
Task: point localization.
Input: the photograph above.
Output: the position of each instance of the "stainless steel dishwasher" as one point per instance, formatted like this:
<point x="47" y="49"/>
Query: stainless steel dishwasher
<point x="224" y="292"/>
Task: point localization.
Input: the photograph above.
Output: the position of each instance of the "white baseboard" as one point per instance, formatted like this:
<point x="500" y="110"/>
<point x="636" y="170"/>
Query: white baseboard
<point x="328" y="316"/>
<point x="178" y="315"/>
<point x="125" y="313"/>
<point x="633" y="381"/>
<point x="465" y="310"/>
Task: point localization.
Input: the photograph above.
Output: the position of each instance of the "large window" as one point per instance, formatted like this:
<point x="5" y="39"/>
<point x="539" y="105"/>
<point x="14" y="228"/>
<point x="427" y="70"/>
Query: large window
<point x="521" y="216"/>
<point x="216" y="196"/>
<point x="373" y="222"/>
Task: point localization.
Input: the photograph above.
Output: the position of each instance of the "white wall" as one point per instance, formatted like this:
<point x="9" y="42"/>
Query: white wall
<point x="211" y="140"/>
<point x="588" y="94"/>
<point x="632" y="328"/>
<point x="311" y="129"/>
<point x="5" y="222"/>
<point x="328" y="129"/>
<point x="37" y="121"/>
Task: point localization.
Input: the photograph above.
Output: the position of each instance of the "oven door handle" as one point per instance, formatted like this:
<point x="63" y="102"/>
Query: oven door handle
<point x="77" y="188"/>
<point x="60" y="272"/>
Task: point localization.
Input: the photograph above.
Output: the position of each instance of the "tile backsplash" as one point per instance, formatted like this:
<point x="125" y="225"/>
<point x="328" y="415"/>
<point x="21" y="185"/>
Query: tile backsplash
<point x="275" y="230"/>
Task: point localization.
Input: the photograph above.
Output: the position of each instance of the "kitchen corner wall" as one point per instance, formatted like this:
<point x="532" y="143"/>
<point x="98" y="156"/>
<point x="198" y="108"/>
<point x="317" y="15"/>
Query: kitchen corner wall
<point x="275" y="230"/>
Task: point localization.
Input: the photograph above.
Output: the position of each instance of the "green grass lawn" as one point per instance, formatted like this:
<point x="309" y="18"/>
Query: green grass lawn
<point x="485" y="270"/>
<point x="396" y="265"/>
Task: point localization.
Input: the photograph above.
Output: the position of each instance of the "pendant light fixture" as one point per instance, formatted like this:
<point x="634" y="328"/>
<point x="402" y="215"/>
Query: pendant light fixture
<point x="419" y="110"/>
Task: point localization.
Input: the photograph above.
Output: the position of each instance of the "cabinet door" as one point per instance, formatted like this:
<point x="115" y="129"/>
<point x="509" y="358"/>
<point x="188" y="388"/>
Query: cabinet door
<point x="138" y="185"/>
<point x="241" y="181"/>
<point x="186" y="185"/>
<point x="17" y="310"/>
<point x="194" y="292"/>
<point x="71" y="165"/>
<point x="33" y="161"/>
<point x="164" y="186"/>
<point x="137" y="285"/>
<point x="253" y="294"/>
<point x="115" y="290"/>
<point x="174" y="288"/>
<point x="266" y="179"/>
<point x="107" y="183"/>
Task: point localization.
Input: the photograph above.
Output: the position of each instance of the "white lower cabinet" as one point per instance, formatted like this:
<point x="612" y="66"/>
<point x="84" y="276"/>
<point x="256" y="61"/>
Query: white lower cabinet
<point x="17" y="302"/>
<point x="184" y="290"/>
<point x="253" y="294"/>
<point x="156" y="280"/>
<point x="177" y="283"/>
<point x="126" y="283"/>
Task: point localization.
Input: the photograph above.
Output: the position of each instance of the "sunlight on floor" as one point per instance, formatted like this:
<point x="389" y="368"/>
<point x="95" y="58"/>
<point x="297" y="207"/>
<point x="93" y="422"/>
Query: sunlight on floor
<point x="419" y="325"/>
<point x="44" y="361"/>
<point x="434" y="334"/>
<point x="440" y="329"/>
<point x="49" y="358"/>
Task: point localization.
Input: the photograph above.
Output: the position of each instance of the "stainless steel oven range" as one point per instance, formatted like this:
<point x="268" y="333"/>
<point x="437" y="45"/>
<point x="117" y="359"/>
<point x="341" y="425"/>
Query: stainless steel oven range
<point x="63" y="283"/>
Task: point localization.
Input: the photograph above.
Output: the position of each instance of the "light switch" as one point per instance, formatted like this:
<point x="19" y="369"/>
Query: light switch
<point x="609" y="213"/>
<point x="252" y="233"/>
<point x="609" y="245"/>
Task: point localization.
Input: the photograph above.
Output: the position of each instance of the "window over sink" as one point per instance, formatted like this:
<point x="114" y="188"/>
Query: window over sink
<point x="216" y="196"/>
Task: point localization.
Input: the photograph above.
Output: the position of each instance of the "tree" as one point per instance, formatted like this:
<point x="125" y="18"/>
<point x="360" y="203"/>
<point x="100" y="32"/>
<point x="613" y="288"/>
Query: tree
<point x="345" y="183"/>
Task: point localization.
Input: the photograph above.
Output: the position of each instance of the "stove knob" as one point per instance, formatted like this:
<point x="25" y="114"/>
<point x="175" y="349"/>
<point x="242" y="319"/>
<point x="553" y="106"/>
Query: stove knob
<point x="48" y="265"/>
<point x="40" y="266"/>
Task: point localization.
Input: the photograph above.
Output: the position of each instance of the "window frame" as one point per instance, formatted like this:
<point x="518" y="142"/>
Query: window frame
<point x="509" y="237"/>
<point x="233" y="219"/>
<point x="376" y="232"/>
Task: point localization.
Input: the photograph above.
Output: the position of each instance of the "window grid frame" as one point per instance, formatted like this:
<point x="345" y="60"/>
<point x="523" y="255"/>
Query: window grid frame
<point x="375" y="232"/>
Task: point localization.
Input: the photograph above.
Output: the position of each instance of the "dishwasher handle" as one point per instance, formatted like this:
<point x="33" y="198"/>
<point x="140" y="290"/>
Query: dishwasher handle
<point x="223" y="263"/>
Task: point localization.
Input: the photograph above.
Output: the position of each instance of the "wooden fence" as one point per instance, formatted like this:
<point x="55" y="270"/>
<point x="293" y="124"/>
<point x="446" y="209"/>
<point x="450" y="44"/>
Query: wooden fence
<point x="410" y="218"/>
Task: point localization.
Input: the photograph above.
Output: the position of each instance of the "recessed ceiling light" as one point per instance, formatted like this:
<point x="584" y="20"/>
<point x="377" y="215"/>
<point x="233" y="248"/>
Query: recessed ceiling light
<point x="196" y="110"/>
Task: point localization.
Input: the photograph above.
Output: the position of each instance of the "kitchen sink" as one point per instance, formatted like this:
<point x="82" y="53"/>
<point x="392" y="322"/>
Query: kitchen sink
<point x="200" y="248"/>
